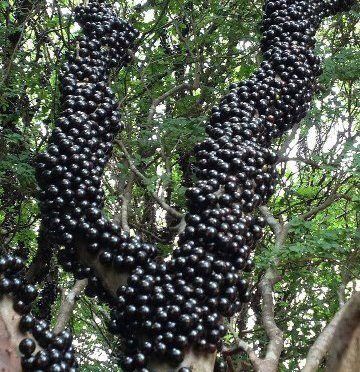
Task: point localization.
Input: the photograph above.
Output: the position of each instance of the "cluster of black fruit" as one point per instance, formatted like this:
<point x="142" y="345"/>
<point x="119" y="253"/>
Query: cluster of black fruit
<point x="69" y="172"/>
<point x="169" y="306"/>
<point x="12" y="282"/>
<point x="50" y="352"/>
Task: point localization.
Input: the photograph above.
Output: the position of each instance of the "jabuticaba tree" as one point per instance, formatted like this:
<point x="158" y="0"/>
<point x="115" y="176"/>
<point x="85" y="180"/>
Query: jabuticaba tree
<point x="169" y="313"/>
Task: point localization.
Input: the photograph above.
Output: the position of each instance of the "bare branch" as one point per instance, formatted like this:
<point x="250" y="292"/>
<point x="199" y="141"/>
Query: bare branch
<point x="140" y="228"/>
<point x="280" y="230"/>
<point x="68" y="302"/>
<point x="328" y="201"/>
<point x="310" y="162"/>
<point x="274" y="333"/>
<point x="163" y="97"/>
<point x="145" y="181"/>
<point x="341" y="294"/>
<point x="242" y="345"/>
<point x="180" y="227"/>
<point x="323" y="343"/>
<point x="271" y="277"/>
<point x="125" y="203"/>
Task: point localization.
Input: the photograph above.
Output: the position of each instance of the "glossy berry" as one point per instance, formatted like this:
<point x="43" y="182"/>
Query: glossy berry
<point x="27" y="346"/>
<point x="27" y="322"/>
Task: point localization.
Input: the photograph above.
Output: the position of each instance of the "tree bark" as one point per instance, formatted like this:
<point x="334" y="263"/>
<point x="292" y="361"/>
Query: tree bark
<point x="338" y="339"/>
<point x="276" y="340"/>
<point x="68" y="302"/>
<point x="10" y="337"/>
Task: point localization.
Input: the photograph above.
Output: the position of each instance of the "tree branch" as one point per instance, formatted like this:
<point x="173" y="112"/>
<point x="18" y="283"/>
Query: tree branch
<point x="110" y="279"/>
<point x="10" y="337"/>
<point x="242" y="345"/>
<point x="68" y="302"/>
<point x="328" y="201"/>
<point x="288" y="139"/>
<point x="125" y="203"/>
<point x="271" y="277"/>
<point x="40" y="265"/>
<point x="280" y="230"/>
<point x="341" y="294"/>
<point x="163" y="97"/>
<point x="310" y="162"/>
<point x="274" y="333"/>
<point x="145" y="181"/>
<point x="322" y="344"/>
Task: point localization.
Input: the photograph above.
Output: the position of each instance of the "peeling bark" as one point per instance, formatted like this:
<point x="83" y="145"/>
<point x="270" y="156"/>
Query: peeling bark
<point x="9" y="358"/>
<point x="10" y="337"/>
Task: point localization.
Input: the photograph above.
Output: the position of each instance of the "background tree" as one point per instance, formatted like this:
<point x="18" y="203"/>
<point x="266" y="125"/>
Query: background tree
<point x="188" y="54"/>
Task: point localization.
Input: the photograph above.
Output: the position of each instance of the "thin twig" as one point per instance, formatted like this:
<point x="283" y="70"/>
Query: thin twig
<point x="126" y="197"/>
<point x="145" y="181"/>
<point x="163" y="97"/>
